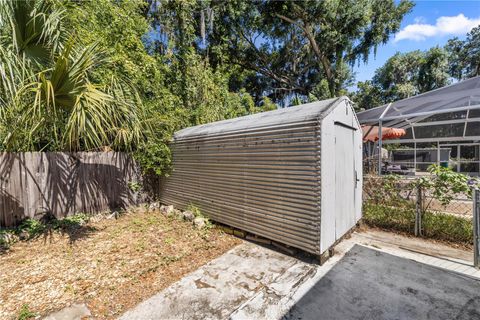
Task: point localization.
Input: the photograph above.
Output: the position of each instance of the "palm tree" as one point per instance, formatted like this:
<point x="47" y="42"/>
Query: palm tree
<point x="47" y="101"/>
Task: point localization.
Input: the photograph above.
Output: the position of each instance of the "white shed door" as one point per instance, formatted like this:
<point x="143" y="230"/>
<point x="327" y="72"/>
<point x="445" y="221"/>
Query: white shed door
<point x="344" y="179"/>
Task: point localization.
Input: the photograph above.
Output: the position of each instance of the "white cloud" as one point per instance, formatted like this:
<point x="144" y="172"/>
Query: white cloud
<point x="420" y="20"/>
<point x="455" y="25"/>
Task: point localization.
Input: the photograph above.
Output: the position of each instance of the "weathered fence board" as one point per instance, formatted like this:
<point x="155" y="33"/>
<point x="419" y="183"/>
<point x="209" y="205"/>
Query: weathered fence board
<point x="34" y="183"/>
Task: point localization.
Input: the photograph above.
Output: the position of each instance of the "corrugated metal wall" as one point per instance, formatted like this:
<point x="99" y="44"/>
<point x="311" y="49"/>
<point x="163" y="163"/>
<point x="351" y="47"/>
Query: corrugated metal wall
<point x="265" y="181"/>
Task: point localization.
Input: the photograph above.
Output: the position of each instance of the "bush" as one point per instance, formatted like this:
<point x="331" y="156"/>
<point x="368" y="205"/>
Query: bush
<point x="448" y="227"/>
<point x="390" y="203"/>
<point x="439" y="226"/>
<point x="382" y="216"/>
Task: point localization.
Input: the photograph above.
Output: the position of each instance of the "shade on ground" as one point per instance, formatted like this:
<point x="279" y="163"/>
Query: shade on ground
<point x="368" y="284"/>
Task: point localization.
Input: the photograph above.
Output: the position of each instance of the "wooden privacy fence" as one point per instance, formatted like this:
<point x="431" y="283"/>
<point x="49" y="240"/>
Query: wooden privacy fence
<point x="35" y="183"/>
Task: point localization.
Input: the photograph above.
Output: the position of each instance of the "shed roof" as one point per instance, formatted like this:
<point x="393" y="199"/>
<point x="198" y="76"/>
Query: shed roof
<point x="285" y="116"/>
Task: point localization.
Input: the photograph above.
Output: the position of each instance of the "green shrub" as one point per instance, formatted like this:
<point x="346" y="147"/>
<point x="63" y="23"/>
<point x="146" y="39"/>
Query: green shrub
<point x="34" y="228"/>
<point x="439" y="226"/>
<point x="447" y="227"/>
<point x="398" y="218"/>
<point x="3" y="241"/>
<point x="72" y="222"/>
<point x="198" y="213"/>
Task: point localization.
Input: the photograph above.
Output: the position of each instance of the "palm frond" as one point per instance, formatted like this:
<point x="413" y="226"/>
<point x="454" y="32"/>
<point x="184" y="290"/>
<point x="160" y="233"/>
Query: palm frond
<point x="36" y="29"/>
<point x="46" y="97"/>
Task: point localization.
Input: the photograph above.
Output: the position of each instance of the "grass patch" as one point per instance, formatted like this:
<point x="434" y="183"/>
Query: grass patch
<point x="439" y="226"/>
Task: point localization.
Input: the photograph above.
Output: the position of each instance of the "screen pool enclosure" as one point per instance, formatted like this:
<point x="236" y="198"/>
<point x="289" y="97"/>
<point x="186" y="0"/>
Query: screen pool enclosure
<point x="446" y="120"/>
<point x="292" y="175"/>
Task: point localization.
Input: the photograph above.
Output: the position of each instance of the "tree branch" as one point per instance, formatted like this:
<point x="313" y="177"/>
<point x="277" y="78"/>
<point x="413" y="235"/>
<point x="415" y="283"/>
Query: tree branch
<point x="307" y="30"/>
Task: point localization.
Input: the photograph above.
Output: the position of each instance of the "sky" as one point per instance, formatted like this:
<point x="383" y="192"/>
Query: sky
<point x="430" y="23"/>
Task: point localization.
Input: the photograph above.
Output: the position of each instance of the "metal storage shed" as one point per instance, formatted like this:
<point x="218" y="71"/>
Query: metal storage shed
<point x="293" y="175"/>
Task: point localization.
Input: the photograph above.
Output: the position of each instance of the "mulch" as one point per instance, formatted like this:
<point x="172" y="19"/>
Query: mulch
<point x="109" y="264"/>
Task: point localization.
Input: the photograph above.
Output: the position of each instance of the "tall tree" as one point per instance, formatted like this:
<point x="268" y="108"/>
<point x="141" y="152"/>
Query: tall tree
<point x="433" y="71"/>
<point x="472" y="51"/>
<point x="398" y="77"/>
<point x="456" y="59"/>
<point x="404" y="75"/>
<point x="367" y="95"/>
<point x="285" y="48"/>
<point x="339" y="32"/>
<point x="464" y="56"/>
<point x="305" y="47"/>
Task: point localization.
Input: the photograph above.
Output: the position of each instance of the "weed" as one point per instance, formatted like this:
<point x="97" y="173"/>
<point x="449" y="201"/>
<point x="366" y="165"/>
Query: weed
<point x="70" y="289"/>
<point x="195" y="210"/>
<point x="25" y="313"/>
<point x="198" y="213"/>
<point x="72" y="222"/>
<point x="134" y="186"/>
<point x="153" y="220"/>
<point x="140" y="246"/>
<point x="6" y="239"/>
<point x="169" y="259"/>
<point x="31" y="228"/>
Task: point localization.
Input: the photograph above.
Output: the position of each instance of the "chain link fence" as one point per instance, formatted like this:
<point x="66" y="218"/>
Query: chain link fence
<point x="404" y="204"/>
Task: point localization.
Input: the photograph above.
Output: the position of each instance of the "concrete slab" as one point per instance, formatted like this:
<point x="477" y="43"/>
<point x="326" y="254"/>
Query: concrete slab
<point x="370" y="284"/>
<point x="76" y="311"/>
<point x="255" y="282"/>
<point x="226" y="284"/>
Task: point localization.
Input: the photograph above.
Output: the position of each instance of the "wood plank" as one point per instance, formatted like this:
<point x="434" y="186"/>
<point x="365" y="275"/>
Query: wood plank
<point x="33" y="183"/>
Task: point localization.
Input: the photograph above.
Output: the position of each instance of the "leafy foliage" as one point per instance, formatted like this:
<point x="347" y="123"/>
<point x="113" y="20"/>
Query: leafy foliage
<point x="404" y="75"/>
<point x="280" y="49"/>
<point x="52" y="103"/>
<point x="411" y="73"/>
<point x="368" y="95"/>
<point x="445" y="184"/>
<point x="391" y="204"/>
<point x="33" y="228"/>
<point x="87" y="75"/>
<point x="436" y="225"/>
<point x="464" y="55"/>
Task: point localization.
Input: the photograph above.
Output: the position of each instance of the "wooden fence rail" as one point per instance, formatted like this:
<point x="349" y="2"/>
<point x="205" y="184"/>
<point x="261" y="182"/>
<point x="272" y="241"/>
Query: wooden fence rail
<point x="35" y="183"/>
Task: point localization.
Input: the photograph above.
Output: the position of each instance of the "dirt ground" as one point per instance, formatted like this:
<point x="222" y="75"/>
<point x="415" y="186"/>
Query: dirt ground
<point x="111" y="265"/>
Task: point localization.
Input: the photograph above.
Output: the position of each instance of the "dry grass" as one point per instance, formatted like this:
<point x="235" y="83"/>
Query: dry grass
<point x="111" y="265"/>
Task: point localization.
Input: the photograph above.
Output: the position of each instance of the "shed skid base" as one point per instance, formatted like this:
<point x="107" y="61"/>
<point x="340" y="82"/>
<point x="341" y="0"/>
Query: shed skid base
<point x="325" y="256"/>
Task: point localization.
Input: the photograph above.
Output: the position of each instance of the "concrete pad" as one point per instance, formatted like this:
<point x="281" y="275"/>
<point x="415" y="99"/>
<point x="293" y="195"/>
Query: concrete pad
<point x="226" y="284"/>
<point x="254" y="282"/>
<point x="369" y="284"/>
<point x="73" y="312"/>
